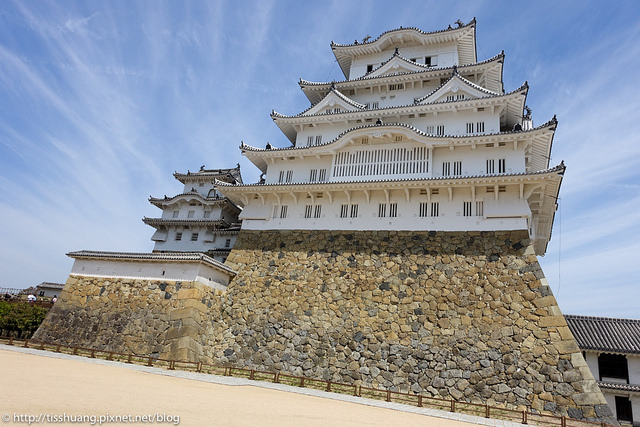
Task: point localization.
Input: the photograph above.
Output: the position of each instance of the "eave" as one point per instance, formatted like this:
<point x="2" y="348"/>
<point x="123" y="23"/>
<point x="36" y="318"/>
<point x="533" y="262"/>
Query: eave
<point x="188" y="197"/>
<point x="512" y="102"/>
<point x="204" y="175"/>
<point x="203" y="223"/>
<point x="541" y="137"/>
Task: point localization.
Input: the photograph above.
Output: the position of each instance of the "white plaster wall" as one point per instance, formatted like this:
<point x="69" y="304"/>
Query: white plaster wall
<point x="160" y="270"/>
<point x="455" y="124"/>
<point x="201" y="187"/>
<point x="510" y="214"/>
<point x="592" y="361"/>
<point x="633" y="363"/>
<point x="447" y="56"/>
<point x="184" y="207"/>
<point x="635" y="409"/>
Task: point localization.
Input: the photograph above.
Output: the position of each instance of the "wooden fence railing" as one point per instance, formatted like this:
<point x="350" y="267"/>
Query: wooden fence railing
<point x="477" y="409"/>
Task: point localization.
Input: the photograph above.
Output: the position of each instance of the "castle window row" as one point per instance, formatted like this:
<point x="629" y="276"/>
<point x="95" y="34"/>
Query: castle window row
<point x="429" y="209"/>
<point x="394" y="161"/>
<point x="435" y="129"/>
<point x="313" y="211"/>
<point x="393" y="210"/>
<point x="318" y="175"/>
<point x="286" y="176"/>
<point x="491" y="165"/>
<point x="477" y="127"/>
<point x="190" y="214"/>
<point x="457" y="168"/>
<point x="385" y="210"/>
<point x="314" y="140"/>
<point x="468" y="206"/>
<point x="384" y="162"/>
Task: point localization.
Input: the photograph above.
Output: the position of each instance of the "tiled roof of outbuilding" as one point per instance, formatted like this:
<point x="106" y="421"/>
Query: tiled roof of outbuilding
<point x="606" y="333"/>
<point x="620" y="387"/>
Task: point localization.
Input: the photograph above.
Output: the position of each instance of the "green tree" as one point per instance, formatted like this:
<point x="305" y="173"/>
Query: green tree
<point x="21" y="318"/>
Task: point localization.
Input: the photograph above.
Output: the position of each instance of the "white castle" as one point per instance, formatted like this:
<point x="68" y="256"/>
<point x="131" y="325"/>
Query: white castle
<point x="199" y="219"/>
<point x="418" y="136"/>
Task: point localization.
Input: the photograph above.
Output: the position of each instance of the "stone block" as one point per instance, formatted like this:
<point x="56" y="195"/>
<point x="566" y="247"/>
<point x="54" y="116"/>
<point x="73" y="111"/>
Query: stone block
<point x="188" y="293"/>
<point x="552" y="321"/>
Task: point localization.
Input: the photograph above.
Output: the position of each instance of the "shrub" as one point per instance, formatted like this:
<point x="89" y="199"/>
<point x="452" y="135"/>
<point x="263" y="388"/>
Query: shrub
<point x="20" y="319"/>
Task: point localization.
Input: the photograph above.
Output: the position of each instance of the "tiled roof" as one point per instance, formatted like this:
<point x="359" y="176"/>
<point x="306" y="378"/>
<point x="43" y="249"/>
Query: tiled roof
<point x="154" y="256"/>
<point x="559" y="170"/>
<point x="490" y="95"/>
<point x="551" y="123"/>
<point x="471" y="23"/>
<point x="618" y="386"/>
<point x="605" y="333"/>
<point x="51" y="285"/>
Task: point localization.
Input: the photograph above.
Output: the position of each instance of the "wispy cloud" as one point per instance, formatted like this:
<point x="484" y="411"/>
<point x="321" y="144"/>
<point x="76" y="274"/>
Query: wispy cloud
<point x="103" y="100"/>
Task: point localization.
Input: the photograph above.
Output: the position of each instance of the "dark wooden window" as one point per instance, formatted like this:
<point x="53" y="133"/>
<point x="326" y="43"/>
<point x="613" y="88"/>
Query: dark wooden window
<point x="613" y="366"/>
<point x="623" y="409"/>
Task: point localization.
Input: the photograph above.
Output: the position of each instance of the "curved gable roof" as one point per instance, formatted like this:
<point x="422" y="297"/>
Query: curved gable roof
<point x="333" y="98"/>
<point x="456" y="82"/>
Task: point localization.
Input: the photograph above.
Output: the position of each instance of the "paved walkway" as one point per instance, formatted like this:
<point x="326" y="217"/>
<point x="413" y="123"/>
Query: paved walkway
<point x="41" y="386"/>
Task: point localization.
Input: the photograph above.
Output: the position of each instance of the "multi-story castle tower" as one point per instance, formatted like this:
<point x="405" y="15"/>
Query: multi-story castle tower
<point x="199" y="219"/>
<point x="393" y="244"/>
<point x="419" y="136"/>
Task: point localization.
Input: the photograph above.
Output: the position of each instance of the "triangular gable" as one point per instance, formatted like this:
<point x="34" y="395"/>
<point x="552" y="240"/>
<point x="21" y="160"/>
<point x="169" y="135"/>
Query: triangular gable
<point x="334" y="102"/>
<point x="396" y="65"/>
<point x="457" y="88"/>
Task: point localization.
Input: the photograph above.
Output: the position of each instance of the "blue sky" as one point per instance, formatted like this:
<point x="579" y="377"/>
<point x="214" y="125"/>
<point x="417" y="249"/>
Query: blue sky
<point x="101" y="101"/>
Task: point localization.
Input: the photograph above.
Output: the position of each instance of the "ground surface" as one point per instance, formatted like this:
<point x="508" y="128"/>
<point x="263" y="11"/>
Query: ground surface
<point x="46" y="384"/>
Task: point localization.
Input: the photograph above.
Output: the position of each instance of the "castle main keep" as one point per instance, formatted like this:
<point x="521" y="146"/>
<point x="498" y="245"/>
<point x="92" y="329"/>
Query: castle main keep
<point x="392" y="242"/>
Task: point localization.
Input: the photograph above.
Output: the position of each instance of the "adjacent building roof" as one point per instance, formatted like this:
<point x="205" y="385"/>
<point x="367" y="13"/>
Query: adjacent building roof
<point x="49" y="285"/>
<point x="153" y="257"/>
<point x="605" y="333"/>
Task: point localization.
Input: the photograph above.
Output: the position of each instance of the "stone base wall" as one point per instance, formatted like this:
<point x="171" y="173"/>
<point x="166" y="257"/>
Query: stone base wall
<point x="161" y="318"/>
<point x="464" y="315"/>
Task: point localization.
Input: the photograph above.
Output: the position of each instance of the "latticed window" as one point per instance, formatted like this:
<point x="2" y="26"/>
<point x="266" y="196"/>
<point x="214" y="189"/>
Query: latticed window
<point x="466" y="209"/>
<point x="435" y="208"/>
<point x="354" y="211"/>
<point x="344" y="211"/>
<point x="491" y="166"/>
<point x="379" y="162"/>
<point x="469" y="127"/>
<point x="457" y="168"/>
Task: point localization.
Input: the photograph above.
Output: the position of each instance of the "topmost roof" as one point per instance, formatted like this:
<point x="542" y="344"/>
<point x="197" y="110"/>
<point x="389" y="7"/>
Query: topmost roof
<point x="464" y="35"/>
<point x="227" y="175"/>
<point x="605" y="333"/>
